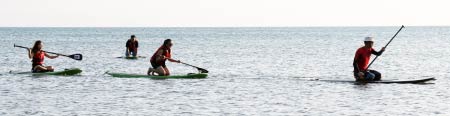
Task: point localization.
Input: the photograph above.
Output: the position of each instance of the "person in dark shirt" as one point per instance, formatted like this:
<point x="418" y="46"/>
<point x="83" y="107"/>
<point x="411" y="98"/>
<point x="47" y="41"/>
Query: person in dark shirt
<point x="132" y="46"/>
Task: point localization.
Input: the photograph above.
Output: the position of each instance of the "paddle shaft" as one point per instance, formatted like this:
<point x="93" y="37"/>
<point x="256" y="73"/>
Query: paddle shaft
<point x="188" y="64"/>
<point x="44" y="51"/>
<point x="198" y="68"/>
<point x="386" y="45"/>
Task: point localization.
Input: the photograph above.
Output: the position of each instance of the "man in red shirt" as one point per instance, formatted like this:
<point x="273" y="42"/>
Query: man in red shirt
<point x="361" y="60"/>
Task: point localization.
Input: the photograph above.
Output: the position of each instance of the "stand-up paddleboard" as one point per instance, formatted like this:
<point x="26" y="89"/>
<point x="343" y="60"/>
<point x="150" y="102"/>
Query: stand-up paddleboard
<point x="66" y="72"/>
<point x="188" y="76"/>
<point x="418" y="81"/>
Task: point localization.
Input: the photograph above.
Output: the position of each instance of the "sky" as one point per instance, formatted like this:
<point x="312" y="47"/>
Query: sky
<point x="222" y="13"/>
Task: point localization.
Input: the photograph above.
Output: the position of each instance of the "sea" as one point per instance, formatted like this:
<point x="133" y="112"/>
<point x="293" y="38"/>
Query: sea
<point x="252" y="71"/>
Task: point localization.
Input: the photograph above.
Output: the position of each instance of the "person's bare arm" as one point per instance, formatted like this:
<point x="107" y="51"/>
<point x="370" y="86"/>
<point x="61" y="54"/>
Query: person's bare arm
<point x="30" y="55"/>
<point x="51" y="57"/>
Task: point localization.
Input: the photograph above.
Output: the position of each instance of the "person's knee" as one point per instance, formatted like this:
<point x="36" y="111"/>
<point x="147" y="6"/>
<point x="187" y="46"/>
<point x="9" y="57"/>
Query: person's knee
<point x="166" y="70"/>
<point x="165" y="73"/>
<point x="377" y="74"/>
<point x="50" y="68"/>
<point x="41" y="67"/>
<point x="369" y="76"/>
<point x="160" y="71"/>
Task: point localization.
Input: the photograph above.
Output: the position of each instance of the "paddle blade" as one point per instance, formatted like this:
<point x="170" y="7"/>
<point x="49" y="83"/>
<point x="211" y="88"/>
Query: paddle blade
<point x="76" y="56"/>
<point x="201" y="70"/>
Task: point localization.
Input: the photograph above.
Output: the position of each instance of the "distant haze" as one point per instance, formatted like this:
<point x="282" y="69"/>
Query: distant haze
<point x="222" y="13"/>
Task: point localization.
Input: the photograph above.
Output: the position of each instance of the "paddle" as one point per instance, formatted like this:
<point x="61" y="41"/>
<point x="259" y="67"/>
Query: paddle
<point x="198" y="68"/>
<point x="73" y="56"/>
<point x="386" y="45"/>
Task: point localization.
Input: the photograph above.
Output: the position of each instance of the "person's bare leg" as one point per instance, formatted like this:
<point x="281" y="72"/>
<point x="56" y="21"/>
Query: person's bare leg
<point x="160" y="71"/>
<point x="50" y="68"/>
<point x="167" y="71"/>
<point x="40" y="68"/>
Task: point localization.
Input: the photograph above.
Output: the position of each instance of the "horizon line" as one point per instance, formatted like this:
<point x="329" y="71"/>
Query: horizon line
<point x="214" y="26"/>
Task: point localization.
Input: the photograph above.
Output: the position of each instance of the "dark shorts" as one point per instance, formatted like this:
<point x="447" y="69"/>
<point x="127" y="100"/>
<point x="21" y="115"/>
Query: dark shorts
<point x="374" y="72"/>
<point x="156" y="65"/>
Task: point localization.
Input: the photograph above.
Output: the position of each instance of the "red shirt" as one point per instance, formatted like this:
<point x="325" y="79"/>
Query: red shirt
<point x="166" y="52"/>
<point x="38" y="58"/>
<point x="362" y="57"/>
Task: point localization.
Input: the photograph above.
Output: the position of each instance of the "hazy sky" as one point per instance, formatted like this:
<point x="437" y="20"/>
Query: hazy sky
<point x="229" y="13"/>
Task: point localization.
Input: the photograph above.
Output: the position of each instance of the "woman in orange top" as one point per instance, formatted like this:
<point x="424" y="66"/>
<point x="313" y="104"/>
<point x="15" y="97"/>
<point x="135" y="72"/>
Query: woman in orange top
<point x="37" y="55"/>
<point x="158" y="60"/>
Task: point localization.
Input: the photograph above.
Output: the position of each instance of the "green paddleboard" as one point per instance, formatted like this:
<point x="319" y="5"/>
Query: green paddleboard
<point x="72" y="71"/>
<point x="66" y="72"/>
<point x="188" y="76"/>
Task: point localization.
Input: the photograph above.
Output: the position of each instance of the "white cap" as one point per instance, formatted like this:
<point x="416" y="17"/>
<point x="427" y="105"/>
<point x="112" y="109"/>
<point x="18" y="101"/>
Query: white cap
<point x="368" y="39"/>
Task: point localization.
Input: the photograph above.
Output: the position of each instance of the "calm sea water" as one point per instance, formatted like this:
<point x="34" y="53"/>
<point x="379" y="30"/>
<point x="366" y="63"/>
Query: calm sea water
<point x="253" y="71"/>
